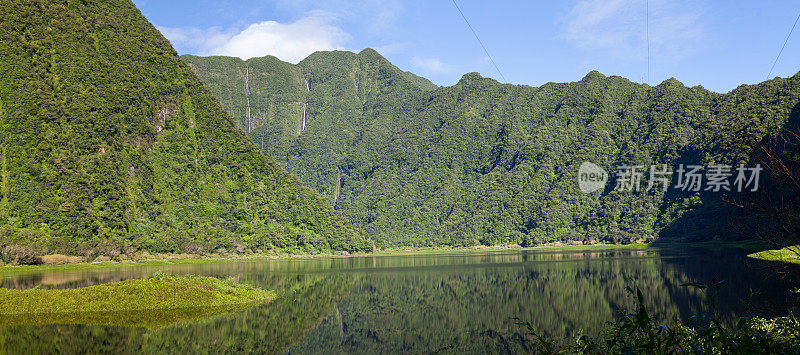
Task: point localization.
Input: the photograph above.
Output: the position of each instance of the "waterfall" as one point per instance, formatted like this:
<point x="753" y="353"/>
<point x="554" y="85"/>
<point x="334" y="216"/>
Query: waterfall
<point x="247" y="94"/>
<point x="303" y="123"/>
<point x="304" y="118"/>
<point x="247" y="82"/>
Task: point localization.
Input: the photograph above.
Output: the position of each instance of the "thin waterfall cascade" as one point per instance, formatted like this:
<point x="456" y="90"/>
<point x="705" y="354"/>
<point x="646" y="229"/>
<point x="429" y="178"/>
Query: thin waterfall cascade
<point x="304" y="117"/>
<point x="303" y="123"/>
<point x="247" y="95"/>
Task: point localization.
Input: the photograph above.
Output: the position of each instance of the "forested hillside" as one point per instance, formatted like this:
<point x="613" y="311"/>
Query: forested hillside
<point x="110" y="145"/>
<point x="485" y="163"/>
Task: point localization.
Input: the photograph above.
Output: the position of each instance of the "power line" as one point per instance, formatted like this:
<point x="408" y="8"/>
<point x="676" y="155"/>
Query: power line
<point x="782" y="47"/>
<point x="479" y="41"/>
<point x="647" y="21"/>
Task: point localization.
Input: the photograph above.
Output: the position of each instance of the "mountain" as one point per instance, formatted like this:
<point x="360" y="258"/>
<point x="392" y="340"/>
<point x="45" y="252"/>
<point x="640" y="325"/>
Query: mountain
<point x="110" y="145"/>
<point x="487" y="163"/>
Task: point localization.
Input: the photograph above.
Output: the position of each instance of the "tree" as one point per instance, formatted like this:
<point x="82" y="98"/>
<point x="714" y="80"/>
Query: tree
<point x="773" y="211"/>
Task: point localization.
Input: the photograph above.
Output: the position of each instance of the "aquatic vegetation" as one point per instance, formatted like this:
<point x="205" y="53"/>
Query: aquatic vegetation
<point x="300" y="305"/>
<point x="151" y="302"/>
<point x="787" y="255"/>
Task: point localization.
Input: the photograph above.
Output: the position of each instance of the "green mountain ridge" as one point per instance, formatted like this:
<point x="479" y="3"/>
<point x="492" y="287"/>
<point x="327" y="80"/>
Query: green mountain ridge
<point x="487" y="163"/>
<point x="110" y="145"/>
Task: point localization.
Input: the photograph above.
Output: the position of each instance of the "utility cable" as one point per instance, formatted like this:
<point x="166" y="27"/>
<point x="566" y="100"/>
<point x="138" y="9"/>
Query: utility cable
<point x="782" y="47"/>
<point x="479" y="41"/>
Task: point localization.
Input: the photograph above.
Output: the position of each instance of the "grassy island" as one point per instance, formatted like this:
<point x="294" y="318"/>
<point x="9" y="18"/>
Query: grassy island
<point x="153" y="302"/>
<point x="786" y="255"/>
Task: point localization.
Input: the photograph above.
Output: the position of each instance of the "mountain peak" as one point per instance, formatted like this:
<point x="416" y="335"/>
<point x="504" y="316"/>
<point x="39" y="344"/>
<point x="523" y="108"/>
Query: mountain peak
<point x="593" y="75"/>
<point x="369" y="52"/>
<point x="470" y="77"/>
<point x="671" y="83"/>
<point x="476" y="79"/>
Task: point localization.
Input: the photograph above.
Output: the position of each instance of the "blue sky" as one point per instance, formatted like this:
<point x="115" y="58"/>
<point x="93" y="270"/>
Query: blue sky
<point x="717" y="44"/>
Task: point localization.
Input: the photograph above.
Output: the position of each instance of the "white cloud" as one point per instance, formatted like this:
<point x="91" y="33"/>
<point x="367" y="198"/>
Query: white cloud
<point x="378" y="16"/>
<point x="618" y="27"/>
<point x="431" y="65"/>
<point x="288" y="41"/>
<point x="203" y="40"/>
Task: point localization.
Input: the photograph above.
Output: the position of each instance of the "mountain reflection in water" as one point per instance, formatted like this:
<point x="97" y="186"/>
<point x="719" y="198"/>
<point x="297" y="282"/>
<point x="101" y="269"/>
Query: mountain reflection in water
<point x="414" y="303"/>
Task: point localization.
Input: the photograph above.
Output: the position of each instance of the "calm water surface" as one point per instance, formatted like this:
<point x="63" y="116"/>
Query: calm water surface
<point x="418" y="304"/>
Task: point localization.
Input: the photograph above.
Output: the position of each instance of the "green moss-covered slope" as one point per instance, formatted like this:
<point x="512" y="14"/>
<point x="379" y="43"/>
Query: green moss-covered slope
<point x="109" y="144"/>
<point x="485" y="163"/>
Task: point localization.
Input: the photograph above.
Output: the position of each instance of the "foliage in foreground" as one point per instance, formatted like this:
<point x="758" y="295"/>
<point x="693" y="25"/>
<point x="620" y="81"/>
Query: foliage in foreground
<point x="774" y="210"/>
<point x="636" y="332"/>
<point x="149" y="302"/>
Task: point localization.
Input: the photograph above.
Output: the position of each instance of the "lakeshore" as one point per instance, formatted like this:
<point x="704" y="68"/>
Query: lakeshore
<point x="756" y="248"/>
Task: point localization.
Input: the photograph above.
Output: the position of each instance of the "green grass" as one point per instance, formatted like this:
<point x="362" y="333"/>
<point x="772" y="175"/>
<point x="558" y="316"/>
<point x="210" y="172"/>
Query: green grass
<point x="197" y="259"/>
<point x="448" y="250"/>
<point x="23" y="269"/>
<point x="747" y="245"/>
<point x="153" y="302"/>
<point x="786" y="255"/>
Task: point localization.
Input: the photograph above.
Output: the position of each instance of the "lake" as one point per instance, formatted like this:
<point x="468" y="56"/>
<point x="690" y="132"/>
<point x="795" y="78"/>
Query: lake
<point x="454" y="302"/>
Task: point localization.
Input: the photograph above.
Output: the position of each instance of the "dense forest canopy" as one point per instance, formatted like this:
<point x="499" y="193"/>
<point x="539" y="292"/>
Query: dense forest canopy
<point x="110" y="145"/>
<point x="488" y="163"/>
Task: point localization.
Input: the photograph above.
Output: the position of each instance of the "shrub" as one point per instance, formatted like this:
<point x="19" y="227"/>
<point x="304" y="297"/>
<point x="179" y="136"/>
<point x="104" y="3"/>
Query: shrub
<point x="196" y="247"/>
<point x="109" y="248"/>
<point x="621" y="237"/>
<point x="102" y="259"/>
<point x="20" y="255"/>
<point x="58" y="259"/>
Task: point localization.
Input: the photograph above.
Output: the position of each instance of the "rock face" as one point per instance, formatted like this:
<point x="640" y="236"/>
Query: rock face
<point x="110" y="144"/>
